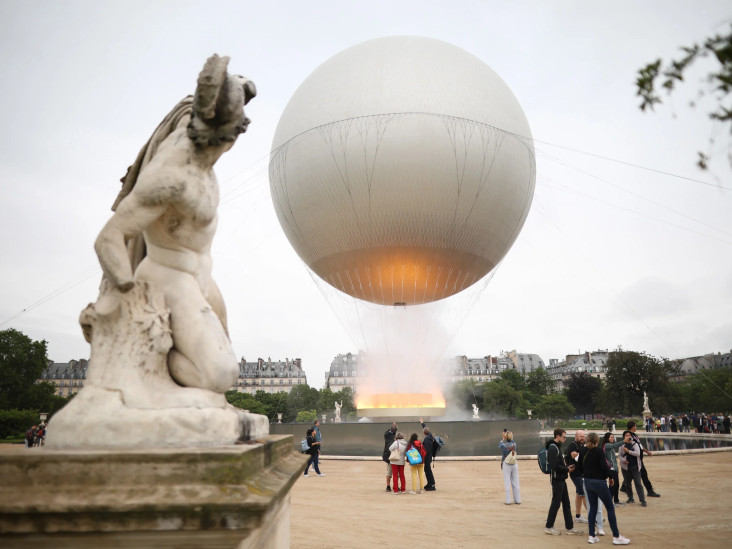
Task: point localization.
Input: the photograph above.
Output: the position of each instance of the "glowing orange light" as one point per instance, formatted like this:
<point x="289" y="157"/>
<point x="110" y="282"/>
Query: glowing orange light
<point x="386" y="404"/>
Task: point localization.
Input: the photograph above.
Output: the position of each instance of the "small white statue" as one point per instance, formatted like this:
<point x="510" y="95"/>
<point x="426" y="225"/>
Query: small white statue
<point x="475" y="411"/>
<point x="645" y="402"/>
<point x="338" y="411"/>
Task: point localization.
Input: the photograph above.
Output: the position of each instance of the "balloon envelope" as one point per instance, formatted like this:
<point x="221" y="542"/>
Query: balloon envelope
<point x="402" y="170"/>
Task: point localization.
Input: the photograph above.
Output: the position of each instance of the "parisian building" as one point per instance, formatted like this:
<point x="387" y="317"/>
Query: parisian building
<point x="67" y="377"/>
<point x="268" y="376"/>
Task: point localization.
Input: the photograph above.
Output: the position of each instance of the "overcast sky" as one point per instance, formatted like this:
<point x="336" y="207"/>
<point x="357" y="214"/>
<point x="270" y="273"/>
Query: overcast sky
<point x="611" y="254"/>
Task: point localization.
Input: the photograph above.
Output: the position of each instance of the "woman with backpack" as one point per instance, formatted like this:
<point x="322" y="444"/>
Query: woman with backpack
<point x="416" y="466"/>
<point x="397" y="451"/>
<point x="509" y="465"/>
<point x="314" y="451"/>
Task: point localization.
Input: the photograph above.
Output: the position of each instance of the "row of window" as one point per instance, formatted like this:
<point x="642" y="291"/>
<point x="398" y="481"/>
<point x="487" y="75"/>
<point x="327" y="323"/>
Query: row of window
<point x="264" y="381"/>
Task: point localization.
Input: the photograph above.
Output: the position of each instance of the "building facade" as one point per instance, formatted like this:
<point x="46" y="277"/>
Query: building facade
<point x="67" y="377"/>
<point x="268" y="376"/>
<point x="594" y="363"/>
<point x="344" y="371"/>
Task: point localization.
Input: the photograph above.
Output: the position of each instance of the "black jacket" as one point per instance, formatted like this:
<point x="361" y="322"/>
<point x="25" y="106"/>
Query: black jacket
<point x="389" y="436"/>
<point x="594" y="464"/>
<point x="555" y="459"/>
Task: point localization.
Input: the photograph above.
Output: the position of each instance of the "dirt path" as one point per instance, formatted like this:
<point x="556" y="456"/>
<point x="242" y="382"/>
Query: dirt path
<point x="348" y="508"/>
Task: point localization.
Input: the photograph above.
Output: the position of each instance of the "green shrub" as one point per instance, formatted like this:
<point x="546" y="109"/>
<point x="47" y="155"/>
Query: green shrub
<point x="16" y="422"/>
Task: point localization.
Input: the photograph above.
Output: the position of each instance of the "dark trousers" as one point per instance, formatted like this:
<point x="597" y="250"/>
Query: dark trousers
<point x="428" y="472"/>
<point x="560" y="496"/>
<point x="645" y="479"/>
<point x="614" y="488"/>
<point x="314" y="461"/>
<point x="632" y="476"/>
<point x="596" y="489"/>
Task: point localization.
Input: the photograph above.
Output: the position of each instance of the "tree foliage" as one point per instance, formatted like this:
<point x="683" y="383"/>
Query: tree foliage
<point x="301" y="398"/>
<point x="630" y="374"/>
<point x="22" y="362"/>
<point x="501" y="398"/>
<point x="554" y="406"/>
<point x="656" y="75"/>
<point x="582" y="391"/>
<point x="540" y="382"/>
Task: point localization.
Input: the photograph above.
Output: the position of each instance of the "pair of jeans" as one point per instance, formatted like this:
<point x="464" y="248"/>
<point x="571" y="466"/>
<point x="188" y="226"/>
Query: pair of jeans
<point x="397" y="474"/>
<point x="560" y="496"/>
<point x="314" y="461"/>
<point x="587" y="505"/>
<point x="597" y="489"/>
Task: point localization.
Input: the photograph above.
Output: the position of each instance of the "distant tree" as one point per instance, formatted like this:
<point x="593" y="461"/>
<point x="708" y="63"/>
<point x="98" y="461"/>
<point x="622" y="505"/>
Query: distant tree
<point x="719" y="48"/>
<point x="540" y="382"/>
<point x="709" y="391"/>
<point x="22" y="362"/>
<point x="326" y="401"/>
<point x="301" y="397"/>
<point x="582" y="390"/>
<point x="246" y="401"/>
<point x="306" y="416"/>
<point x="630" y="374"/>
<point x="501" y="398"/>
<point x="514" y="379"/>
<point x="554" y="406"/>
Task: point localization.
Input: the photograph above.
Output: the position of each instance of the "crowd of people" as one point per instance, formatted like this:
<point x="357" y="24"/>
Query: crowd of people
<point x="418" y="454"/>
<point x="593" y="465"/>
<point x="694" y="423"/>
<point x="36" y="436"/>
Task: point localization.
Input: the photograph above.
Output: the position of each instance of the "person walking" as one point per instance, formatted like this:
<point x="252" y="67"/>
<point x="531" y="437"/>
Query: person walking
<point x="389" y="436"/>
<point x="596" y="471"/>
<point x="558" y="479"/>
<point x="509" y="465"/>
<point x="314" y="452"/>
<point x="429" y="447"/>
<point x="398" y="447"/>
<point x="417" y="470"/>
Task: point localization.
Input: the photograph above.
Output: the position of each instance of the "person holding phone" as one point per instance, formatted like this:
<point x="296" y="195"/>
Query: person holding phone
<point x="558" y="477"/>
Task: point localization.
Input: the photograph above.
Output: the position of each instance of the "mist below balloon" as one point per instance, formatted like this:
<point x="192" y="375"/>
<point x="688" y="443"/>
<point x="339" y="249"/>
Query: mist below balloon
<point x="402" y="349"/>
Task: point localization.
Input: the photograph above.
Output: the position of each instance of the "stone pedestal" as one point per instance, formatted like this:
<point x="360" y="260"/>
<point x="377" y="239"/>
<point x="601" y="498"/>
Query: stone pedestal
<point x="229" y="497"/>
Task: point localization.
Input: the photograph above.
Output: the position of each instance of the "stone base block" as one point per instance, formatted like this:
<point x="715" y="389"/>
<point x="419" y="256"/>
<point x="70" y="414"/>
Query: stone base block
<point x="230" y="497"/>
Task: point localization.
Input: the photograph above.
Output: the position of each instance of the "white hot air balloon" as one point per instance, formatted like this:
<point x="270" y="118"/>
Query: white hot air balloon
<point x="402" y="171"/>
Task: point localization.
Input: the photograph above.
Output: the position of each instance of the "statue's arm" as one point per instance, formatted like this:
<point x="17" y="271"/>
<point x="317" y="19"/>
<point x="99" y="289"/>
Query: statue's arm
<point x="131" y="218"/>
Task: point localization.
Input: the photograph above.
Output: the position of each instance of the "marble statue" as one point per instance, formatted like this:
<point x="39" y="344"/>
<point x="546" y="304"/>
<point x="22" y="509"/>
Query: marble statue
<point x="161" y="357"/>
<point x="645" y="402"/>
<point x="338" y="411"/>
<point x="475" y="411"/>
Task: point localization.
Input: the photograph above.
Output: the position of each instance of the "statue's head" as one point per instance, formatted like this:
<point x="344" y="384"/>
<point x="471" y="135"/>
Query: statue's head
<point x="218" y="106"/>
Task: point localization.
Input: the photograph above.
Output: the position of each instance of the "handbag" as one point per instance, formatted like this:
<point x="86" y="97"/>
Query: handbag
<point x="511" y="457"/>
<point x="395" y="455"/>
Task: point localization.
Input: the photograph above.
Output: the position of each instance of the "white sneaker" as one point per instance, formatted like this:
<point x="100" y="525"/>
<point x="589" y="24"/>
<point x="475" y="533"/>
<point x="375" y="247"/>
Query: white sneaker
<point x="581" y="519"/>
<point x="306" y="476"/>
<point x="552" y="531"/>
<point x="574" y="532"/>
<point x="412" y="492"/>
<point x="593" y="539"/>
<point x="321" y="475"/>
<point x="620" y="540"/>
<point x="600" y="532"/>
